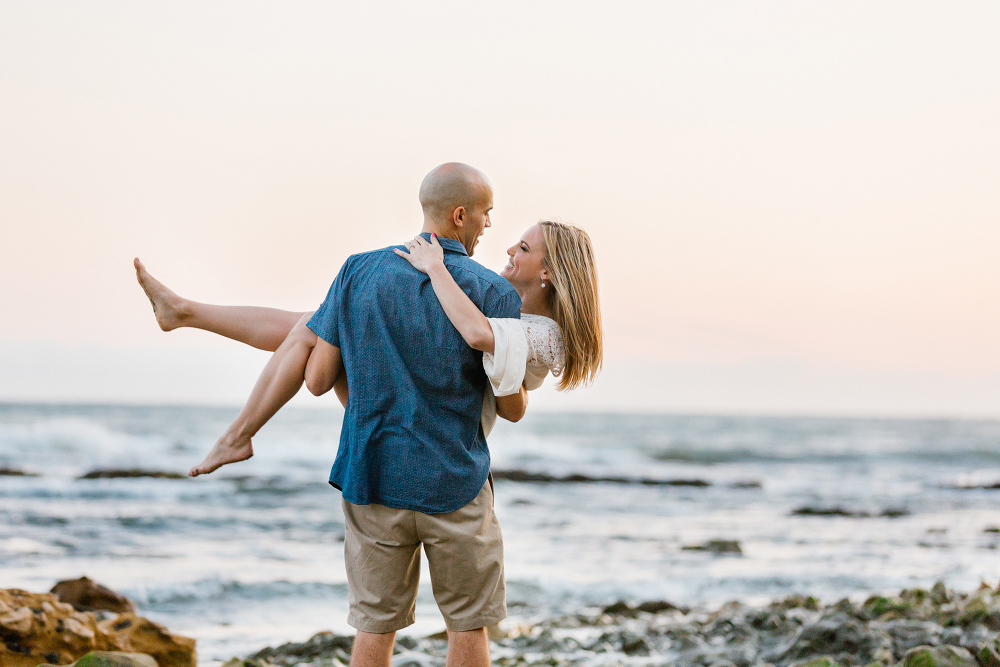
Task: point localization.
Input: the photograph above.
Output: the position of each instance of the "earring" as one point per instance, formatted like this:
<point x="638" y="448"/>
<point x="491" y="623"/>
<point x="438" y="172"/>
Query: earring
<point x="543" y="284"/>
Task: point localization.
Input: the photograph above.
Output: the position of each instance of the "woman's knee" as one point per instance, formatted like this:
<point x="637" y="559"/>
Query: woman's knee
<point x="301" y="333"/>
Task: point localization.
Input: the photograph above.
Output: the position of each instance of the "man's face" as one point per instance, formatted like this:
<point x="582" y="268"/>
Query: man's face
<point x="477" y="219"/>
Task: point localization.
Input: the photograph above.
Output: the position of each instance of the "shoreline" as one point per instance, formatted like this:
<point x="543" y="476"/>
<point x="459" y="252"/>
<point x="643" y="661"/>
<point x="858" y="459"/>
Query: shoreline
<point x="934" y="627"/>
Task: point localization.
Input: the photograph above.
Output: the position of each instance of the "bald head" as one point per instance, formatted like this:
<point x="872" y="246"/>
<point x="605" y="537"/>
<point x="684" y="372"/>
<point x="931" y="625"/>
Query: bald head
<point x="457" y="200"/>
<point x="451" y="185"/>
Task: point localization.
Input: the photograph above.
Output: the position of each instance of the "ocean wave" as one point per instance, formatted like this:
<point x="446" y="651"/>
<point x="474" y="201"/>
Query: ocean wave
<point x="216" y="590"/>
<point x="972" y="456"/>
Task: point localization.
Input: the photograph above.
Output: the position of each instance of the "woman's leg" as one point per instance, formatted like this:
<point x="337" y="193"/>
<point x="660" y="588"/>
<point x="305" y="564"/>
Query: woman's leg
<point x="263" y="328"/>
<point x="280" y="380"/>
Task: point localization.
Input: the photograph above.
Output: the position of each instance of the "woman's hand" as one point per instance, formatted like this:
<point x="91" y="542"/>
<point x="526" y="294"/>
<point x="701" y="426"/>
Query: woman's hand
<point x="423" y="255"/>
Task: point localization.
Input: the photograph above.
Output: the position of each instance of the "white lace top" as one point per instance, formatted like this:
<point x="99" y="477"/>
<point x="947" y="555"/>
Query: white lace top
<point x="524" y="352"/>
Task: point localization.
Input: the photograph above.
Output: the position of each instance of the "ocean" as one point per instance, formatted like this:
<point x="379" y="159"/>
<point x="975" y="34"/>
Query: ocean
<point x="252" y="555"/>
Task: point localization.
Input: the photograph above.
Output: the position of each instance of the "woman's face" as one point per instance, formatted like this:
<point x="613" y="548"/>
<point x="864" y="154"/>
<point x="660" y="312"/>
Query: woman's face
<point x="526" y="260"/>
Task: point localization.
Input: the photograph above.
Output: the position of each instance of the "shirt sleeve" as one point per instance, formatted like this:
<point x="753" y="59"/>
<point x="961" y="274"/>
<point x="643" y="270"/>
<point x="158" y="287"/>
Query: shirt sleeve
<point x="325" y="322"/>
<point x="502" y="305"/>
<point x="505" y="367"/>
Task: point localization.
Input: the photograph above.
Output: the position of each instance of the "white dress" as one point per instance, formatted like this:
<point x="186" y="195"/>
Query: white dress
<point x="524" y="352"/>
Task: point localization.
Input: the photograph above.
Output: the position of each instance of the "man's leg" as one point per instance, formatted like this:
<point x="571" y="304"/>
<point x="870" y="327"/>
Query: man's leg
<point x="468" y="649"/>
<point x="382" y="555"/>
<point x="465" y="554"/>
<point x="372" y="650"/>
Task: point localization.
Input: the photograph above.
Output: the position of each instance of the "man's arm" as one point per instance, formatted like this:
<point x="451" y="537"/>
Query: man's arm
<point x="340" y="388"/>
<point x="323" y="368"/>
<point x="513" y="407"/>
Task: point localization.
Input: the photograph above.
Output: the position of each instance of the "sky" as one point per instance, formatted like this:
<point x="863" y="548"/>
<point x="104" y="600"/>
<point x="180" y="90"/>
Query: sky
<point x="794" y="205"/>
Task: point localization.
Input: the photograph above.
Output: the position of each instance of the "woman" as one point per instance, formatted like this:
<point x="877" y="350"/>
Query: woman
<point x="552" y="268"/>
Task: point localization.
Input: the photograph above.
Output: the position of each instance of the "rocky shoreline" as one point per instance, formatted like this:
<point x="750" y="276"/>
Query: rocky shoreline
<point x="916" y="628"/>
<point x="83" y="621"/>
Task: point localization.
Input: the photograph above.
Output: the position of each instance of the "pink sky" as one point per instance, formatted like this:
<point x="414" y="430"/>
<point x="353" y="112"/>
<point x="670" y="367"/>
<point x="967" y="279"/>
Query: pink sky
<point x="794" y="205"/>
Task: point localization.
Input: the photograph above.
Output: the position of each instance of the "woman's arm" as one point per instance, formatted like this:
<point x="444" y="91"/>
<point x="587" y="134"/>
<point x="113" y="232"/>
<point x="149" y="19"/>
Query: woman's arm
<point x="464" y="315"/>
<point x="513" y="407"/>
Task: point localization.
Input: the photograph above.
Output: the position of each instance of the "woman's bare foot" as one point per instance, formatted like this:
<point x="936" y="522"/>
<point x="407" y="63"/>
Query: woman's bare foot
<point x="228" y="449"/>
<point x="168" y="308"/>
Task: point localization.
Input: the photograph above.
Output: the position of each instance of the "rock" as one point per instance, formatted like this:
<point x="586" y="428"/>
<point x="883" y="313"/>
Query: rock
<point x="656" y="606"/>
<point x="39" y="628"/>
<point x="841" y="638"/>
<point x="722" y="663"/>
<point x="135" y="472"/>
<point x="828" y="511"/>
<point x="619" y="608"/>
<point x="633" y="644"/>
<point x="143" y="636"/>
<point x="717" y="547"/>
<point x="115" y="659"/>
<point x="991" y="529"/>
<point x="939" y="656"/>
<point x="989" y="654"/>
<point x="823" y="661"/>
<point x="412" y="659"/>
<point x="87" y="595"/>
<point x="14" y="472"/>
<point x="907" y="635"/>
<point x="981" y="607"/>
<point x="879" y="606"/>
<point x="518" y="475"/>
<point x="320" y="645"/>
<point x="889" y="512"/>
<point x="940" y="594"/>
<point x="796" y="602"/>
<point x="236" y="662"/>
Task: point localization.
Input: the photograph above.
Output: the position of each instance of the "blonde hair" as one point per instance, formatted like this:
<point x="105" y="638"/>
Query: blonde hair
<point x="569" y="258"/>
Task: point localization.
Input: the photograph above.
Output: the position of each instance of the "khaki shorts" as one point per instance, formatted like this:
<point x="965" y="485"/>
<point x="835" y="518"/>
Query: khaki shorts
<point x="464" y="553"/>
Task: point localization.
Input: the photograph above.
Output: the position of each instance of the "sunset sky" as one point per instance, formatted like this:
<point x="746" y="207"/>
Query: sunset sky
<point x="795" y="206"/>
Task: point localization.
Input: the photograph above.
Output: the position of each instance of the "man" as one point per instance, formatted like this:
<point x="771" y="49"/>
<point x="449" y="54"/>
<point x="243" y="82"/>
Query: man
<point x="413" y="463"/>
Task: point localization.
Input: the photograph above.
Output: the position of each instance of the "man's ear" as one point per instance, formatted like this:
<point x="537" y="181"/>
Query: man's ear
<point x="458" y="216"/>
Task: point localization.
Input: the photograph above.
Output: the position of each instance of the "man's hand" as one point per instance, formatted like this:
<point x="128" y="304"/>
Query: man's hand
<point x="513" y="407"/>
<point x="423" y="255"/>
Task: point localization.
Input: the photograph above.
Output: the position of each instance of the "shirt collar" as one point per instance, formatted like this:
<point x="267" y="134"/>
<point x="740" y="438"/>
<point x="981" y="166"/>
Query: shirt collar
<point x="448" y="244"/>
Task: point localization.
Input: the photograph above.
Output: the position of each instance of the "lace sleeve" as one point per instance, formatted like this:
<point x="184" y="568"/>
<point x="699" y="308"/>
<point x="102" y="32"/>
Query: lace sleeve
<point x="545" y="343"/>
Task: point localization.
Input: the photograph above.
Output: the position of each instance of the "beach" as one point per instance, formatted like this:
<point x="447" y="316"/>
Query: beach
<point x="597" y="511"/>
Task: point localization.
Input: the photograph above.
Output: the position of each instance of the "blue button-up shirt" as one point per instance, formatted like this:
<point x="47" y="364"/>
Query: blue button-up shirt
<point x="411" y="436"/>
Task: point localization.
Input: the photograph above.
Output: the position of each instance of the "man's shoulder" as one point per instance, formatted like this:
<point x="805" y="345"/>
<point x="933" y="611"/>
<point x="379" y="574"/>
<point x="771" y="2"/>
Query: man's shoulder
<point x="384" y="259"/>
<point x="369" y="255"/>
<point x="367" y="259"/>
<point x="491" y="278"/>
